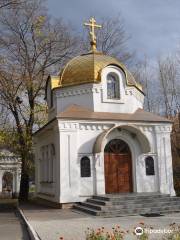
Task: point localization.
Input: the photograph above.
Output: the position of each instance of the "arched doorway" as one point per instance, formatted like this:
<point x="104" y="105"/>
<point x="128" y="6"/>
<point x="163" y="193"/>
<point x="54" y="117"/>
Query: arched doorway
<point x="7" y="183"/>
<point x="118" y="167"/>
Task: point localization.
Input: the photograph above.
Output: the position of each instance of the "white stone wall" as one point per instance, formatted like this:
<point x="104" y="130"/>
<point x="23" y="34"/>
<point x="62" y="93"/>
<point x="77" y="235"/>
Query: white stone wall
<point x="47" y="164"/>
<point x="77" y="139"/>
<point x="130" y="98"/>
<point x="73" y="140"/>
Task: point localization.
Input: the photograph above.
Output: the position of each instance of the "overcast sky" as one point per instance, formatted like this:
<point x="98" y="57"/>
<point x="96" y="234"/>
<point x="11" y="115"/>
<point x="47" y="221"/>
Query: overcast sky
<point x="154" y="25"/>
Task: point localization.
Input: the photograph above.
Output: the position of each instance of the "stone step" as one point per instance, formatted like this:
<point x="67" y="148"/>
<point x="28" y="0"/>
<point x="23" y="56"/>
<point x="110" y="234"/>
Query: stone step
<point x="159" y="210"/>
<point x="138" y="211"/>
<point x="92" y="206"/>
<point x="124" y="197"/>
<point x="98" y="202"/>
<point x="117" y="205"/>
<point x="133" y="201"/>
<point x="130" y="205"/>
<point x="87" y="210"/>
<point x="134" y="207"/>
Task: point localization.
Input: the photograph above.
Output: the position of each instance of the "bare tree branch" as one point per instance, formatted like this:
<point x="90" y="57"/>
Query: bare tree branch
<point x="9" y="3"/>
<point x="31" y="44"/>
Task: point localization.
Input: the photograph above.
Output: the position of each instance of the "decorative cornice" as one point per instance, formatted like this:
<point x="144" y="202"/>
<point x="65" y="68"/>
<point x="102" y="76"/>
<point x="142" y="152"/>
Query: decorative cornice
<point x="145" y="128"/>
<point x="10" y="159"/>
<point x="74" y="92"/>
<point x="130" y="91"/>
<point x="163" y="129"/>
<point x="157" y="128"/>
<point x="83" y="126"/>
<point x="10" y="168"/>
<point x="105" y="126"/>
<point x="94" y="127"/>
<point x="68" y="125"/>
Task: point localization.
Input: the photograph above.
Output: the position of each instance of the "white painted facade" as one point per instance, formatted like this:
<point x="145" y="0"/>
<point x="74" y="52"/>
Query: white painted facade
<point x="61" y="144"/>
<point x="94" y="96"/>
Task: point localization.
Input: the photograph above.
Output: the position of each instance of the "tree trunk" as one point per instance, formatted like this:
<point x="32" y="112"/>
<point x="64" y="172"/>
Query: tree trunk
<point x="24" y="183"/>
<point x="24" y="187"/>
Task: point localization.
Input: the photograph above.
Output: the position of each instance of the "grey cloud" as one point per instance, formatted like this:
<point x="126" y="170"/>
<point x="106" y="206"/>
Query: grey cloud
<point x="153" y="25"/>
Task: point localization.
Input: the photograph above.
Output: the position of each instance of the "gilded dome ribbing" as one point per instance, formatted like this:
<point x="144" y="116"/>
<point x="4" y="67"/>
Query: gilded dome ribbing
<point x="87" y="68"/>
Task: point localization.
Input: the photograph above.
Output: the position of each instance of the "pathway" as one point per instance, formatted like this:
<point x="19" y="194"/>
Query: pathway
<point x="11" y="227"/>
<point x="51" y="224"/>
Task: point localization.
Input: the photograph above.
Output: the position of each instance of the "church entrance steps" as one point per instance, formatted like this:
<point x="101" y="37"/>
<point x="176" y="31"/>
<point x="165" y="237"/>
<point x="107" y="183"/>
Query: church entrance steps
<point x="129" y="204"/>
<point x="129" y="196"/>
<point x="138" y="201"/>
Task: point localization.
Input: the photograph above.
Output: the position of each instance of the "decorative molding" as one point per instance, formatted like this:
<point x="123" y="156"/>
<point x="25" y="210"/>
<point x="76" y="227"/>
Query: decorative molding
<point x="10" y="163"/>
<point x="163" y="129"/>
<point x="94" y="127"/>
<point x="145" y="128"/>
<point x="102" y="126"/>
<point x="68" y="125"/>
<point x="74" y="92"/>
<point x="9" y="169"/>
<point x="10" y="159"/>
<point x="159" y="128"/>
<point x="83" y="126"/>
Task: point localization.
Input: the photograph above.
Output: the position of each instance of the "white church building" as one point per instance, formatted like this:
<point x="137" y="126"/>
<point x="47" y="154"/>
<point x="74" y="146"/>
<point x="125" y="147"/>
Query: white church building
<point x="98" y="138"/>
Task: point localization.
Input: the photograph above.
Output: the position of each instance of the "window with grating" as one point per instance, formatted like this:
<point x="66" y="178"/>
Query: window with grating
<point x="85" y="167"/>
<point x="149" y="164"/>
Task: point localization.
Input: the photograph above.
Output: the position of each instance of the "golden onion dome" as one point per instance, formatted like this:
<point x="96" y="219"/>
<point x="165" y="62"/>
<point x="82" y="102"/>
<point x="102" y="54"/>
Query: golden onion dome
<point x="87" y="68"/>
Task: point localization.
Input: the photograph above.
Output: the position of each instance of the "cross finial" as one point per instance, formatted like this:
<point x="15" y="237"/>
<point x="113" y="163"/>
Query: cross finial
<point x="92" y="24"/>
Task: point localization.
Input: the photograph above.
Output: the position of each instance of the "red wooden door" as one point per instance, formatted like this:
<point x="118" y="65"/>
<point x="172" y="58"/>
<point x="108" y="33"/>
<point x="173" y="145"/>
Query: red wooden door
<point x="118" y="172"/>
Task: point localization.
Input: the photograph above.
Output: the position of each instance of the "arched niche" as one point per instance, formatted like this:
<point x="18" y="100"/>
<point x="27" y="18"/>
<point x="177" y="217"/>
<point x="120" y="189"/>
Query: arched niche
<point x="135" y="134"/>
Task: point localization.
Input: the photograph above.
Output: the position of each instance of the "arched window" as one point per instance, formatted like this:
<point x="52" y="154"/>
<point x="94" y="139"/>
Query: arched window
<point x="149" y="164"/>
<point x="112" y="87"/>
<point x="85" y="167"/>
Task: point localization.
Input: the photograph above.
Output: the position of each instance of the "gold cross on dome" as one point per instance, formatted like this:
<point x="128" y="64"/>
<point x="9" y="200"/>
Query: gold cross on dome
<point x="92" y="24"/>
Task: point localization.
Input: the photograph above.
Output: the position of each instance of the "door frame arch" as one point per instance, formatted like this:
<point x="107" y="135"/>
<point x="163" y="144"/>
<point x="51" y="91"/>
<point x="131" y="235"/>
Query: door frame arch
<point x="117" y="164"/>
<point x="134" y="148"/>
<point x="124" y="133"/>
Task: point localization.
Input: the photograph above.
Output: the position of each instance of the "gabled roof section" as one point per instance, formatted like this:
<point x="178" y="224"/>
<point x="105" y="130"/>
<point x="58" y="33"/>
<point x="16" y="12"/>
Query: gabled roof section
<point x="77" y="112"/>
